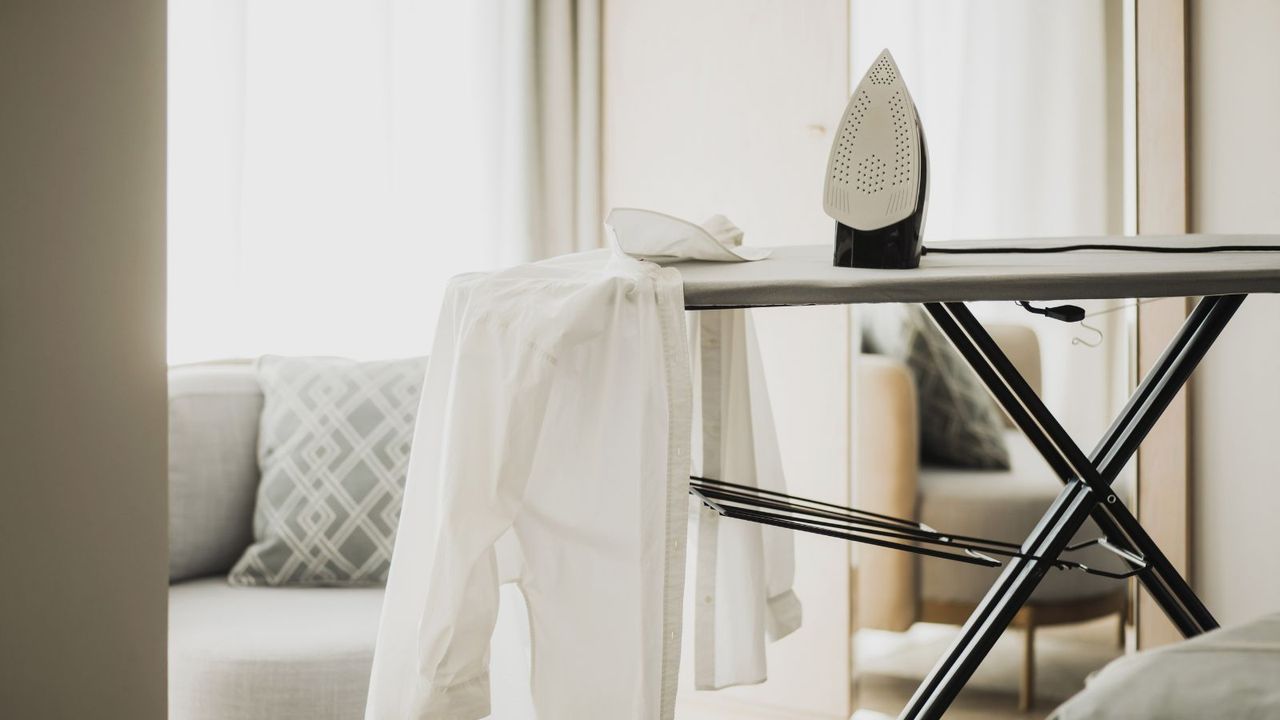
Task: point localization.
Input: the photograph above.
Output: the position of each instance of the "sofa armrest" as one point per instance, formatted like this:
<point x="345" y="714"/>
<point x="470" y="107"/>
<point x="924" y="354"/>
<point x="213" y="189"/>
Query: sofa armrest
<point x="886" y="466"/>
<point x="213" y="466"/>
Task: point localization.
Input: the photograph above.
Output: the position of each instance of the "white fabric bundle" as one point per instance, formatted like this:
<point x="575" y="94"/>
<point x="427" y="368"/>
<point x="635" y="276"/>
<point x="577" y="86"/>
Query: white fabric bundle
<point x="553" y="451"/>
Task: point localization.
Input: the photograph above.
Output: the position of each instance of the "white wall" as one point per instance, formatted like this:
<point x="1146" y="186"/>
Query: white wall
<point x="82" y="357"/>
<point x="727" y="106"/>
<point x="1235" y="155"/>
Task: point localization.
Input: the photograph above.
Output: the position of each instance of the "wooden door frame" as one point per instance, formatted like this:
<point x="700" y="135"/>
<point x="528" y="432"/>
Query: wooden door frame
<point x="1163" y="183"/>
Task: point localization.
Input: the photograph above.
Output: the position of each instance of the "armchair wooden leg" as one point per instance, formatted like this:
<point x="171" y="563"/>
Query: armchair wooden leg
<point x="1123" y="617"/>
<point x="1027" y="688"/>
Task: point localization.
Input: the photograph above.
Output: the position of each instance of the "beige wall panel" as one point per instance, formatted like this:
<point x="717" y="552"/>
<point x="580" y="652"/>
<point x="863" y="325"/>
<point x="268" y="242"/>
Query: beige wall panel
<point x="82" y="357"/>
<point x="1235" y="110"/>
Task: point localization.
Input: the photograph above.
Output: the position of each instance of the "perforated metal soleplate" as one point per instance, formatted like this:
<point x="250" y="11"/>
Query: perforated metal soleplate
<point x="874" y="171"/>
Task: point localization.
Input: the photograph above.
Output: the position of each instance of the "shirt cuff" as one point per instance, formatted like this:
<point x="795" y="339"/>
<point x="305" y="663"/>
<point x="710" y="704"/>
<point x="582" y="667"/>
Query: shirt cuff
<point x="784" y="615"/>
<point x="460" y="701"/>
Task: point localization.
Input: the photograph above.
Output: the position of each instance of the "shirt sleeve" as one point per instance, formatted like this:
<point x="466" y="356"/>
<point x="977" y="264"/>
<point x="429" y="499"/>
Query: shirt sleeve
<point x="784" y="613"/>
<point x="493" y="418"/>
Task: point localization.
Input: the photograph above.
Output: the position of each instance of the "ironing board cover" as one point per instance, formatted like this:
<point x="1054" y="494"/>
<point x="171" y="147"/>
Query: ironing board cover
<point x="804" y="275"/>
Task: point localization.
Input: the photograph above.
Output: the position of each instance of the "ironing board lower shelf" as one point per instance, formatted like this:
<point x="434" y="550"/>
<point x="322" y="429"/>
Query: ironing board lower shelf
<point x="767" y="507"/>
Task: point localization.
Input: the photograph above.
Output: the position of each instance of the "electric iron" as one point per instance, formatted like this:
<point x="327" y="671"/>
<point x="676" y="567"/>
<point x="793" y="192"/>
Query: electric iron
<point x="877" y="175"/>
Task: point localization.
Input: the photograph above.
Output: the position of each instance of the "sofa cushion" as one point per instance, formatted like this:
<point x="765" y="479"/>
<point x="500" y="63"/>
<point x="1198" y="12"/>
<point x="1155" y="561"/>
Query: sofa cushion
<point x="1001" y="505"/>
<point x="270" y="653"/>
<point x="213" y="469"/>
<point x="333" y="449"/>
<point x="960" y="424"/>
<point x="1227" y="673"/>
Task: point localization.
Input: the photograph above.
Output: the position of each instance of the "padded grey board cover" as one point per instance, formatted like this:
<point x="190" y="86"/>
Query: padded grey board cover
<point x="803" y="274"/>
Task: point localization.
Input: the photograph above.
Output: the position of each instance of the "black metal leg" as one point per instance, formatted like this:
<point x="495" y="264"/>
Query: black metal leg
<point x="1087" y="491"/>
<point x="1002" y="602"/>
<point x="1149" y="401"/>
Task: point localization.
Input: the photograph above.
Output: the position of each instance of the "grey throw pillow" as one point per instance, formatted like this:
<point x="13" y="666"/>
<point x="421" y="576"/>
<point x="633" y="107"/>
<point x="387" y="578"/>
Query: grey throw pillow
<point x="960" y="425"/>
<point x="333" y="450"/>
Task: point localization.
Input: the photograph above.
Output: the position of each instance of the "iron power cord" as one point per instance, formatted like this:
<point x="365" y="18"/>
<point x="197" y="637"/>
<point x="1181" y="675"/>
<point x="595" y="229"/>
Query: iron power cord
<point x="1064" y="313"/>
<point x="994" y="250"/>
<point x="1075" y="313"/>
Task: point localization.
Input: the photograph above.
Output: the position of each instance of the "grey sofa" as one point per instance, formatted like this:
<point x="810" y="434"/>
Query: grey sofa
<point x="246" y="653"/>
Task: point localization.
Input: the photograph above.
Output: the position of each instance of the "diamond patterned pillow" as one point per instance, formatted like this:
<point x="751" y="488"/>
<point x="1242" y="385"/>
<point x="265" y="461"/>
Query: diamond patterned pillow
<point x="333" y="449"/>
<point x="960" y="425"/>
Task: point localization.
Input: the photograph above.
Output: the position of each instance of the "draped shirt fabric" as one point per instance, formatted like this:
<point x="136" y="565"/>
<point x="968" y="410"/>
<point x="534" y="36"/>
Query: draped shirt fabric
<point x="552" y="450"/>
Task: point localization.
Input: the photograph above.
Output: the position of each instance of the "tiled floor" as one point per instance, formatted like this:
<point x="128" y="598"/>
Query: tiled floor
<point x="890" y="665"/>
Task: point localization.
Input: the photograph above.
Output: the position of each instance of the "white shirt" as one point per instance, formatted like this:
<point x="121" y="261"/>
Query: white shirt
<point x="553" y="449"/>
<point x="742" y="572"/>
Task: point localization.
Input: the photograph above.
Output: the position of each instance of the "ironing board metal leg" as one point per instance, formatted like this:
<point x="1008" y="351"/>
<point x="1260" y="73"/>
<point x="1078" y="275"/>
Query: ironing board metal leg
<point x="1002" y="602"/>
<point x="1087" y="491"/>
<point x="1157" y="390"/>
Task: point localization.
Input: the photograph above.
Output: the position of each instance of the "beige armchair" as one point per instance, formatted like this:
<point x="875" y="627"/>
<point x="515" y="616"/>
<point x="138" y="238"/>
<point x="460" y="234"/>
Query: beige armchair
<point x="895" y="589"/>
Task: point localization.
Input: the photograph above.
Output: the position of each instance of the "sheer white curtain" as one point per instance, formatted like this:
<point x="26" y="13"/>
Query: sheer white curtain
<point x="333" y="162"/>
<point x="1023" y="106"/>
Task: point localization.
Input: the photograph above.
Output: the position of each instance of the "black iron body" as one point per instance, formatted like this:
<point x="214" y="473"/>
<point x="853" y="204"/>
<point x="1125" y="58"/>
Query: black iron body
<point x="897" y="246"/>
<point x="1086" y="493"/>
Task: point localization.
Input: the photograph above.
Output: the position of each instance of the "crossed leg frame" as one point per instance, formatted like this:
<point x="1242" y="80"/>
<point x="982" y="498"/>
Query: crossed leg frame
<point x="1086" y="492"/>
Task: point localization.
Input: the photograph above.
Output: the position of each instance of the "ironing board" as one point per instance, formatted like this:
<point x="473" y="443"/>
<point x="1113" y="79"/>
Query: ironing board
<point x="803" y="275"/>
